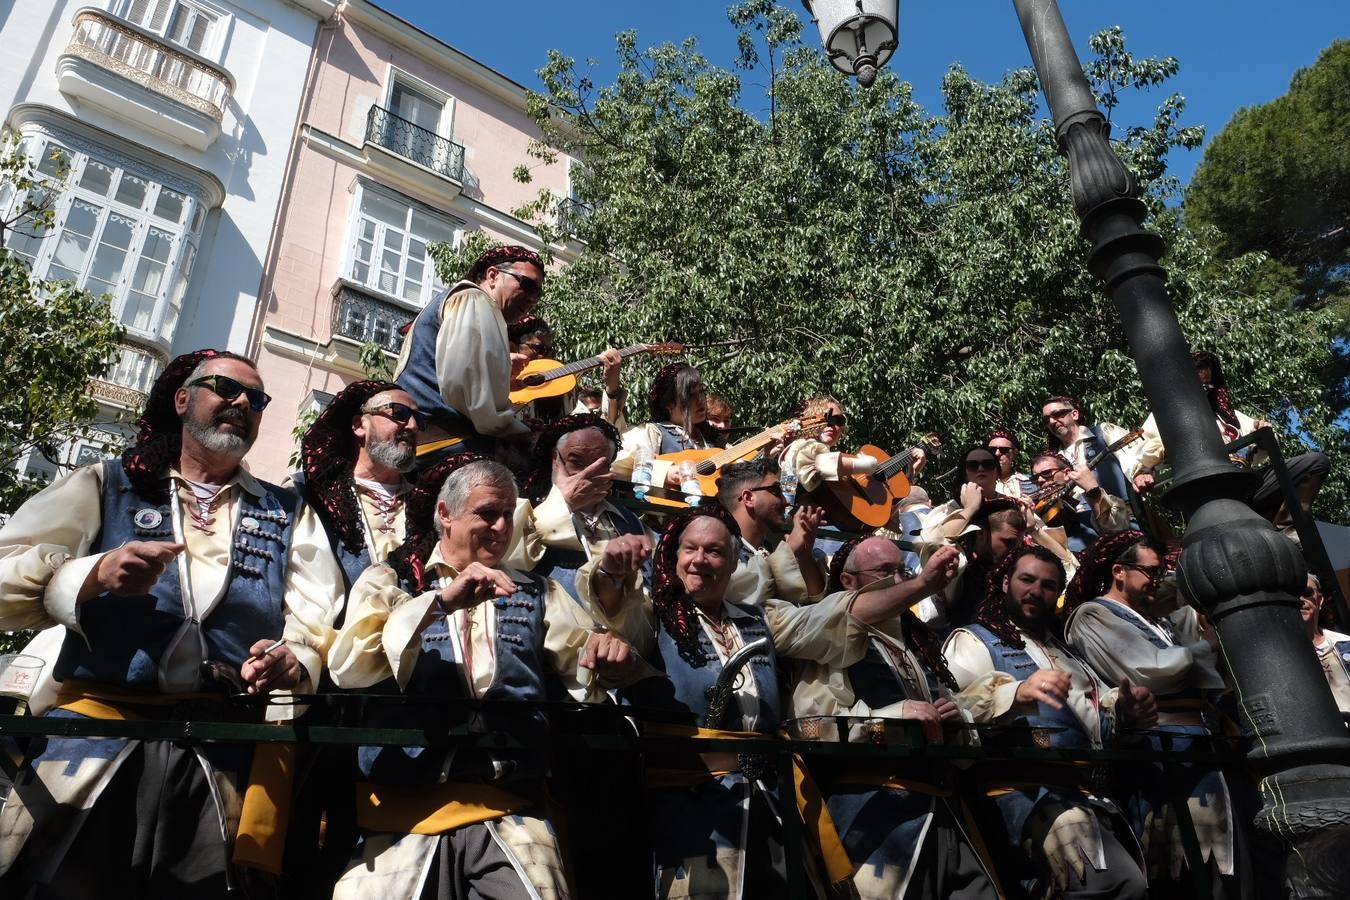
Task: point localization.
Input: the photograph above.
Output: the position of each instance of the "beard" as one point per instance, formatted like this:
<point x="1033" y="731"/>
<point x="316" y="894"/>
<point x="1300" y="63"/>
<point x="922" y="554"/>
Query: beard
<point x="207" y="433"/>
<point x="398" y="454"/>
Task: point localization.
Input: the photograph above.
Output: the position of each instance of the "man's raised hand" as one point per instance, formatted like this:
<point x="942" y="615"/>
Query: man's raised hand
<point x="473" y="585"/>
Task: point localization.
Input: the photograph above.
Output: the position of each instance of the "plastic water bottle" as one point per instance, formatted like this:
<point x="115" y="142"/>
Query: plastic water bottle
<point x="693" y="491"/>
<point x="787" y="481"/>
<point x="642" y="473"/>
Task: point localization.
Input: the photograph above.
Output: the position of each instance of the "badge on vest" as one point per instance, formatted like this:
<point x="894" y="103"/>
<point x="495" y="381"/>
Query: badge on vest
<point x="1345" y="656"/>
<point x="249" y="522"/>
<point x="146" y="519"/>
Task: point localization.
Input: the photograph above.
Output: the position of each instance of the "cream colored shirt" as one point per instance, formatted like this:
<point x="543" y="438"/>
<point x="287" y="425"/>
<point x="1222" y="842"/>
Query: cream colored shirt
<point x="552" y="524"/>
<point x="384" y="534"/>
<point x="991" y="696"/>
<point x="1152" y="453"/>
<point x="45" y="558"/>
<point x="1117" y="649"/>
<point x="772" y="574"/>
<point x="811" y="461"/>
<point x="1334" y="667"/>
<point x="473" y="361"/>
<point x="382" y="634"/>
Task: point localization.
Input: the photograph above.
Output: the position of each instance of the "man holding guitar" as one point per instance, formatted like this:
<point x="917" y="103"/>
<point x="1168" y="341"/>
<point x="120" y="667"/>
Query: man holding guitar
<point x="532" y="343"/>
<point x="1086" y="510"/>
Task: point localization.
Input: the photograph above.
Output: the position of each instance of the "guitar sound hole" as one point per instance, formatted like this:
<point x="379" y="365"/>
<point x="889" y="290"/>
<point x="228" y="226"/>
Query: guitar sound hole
<point x="705" y="468"/>
<point x="533" y="380"/>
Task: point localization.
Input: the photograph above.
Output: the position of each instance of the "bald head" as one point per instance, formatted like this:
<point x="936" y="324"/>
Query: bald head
<point x="873" y="559"/>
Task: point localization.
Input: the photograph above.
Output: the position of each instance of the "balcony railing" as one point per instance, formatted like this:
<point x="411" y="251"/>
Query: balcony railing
<point x="415" y="143"/>
<point x="147" y="59"/>
<point x="571" y="212"/>
<point x="363" y="318"/>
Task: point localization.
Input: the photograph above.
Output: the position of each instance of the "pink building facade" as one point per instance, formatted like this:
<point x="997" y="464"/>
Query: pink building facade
<point x="402" y="141"/>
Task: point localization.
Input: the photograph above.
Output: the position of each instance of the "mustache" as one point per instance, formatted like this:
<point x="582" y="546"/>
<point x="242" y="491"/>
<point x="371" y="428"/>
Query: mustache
<point x="231" y="415"/>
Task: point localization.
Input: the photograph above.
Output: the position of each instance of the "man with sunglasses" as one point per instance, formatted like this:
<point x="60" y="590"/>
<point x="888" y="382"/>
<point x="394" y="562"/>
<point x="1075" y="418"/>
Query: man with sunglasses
<point x="1088" y="510"/>
<point x="777" y="555"/>
<point x="181" y="580"/>
<point x="1333" y="647"/>
<point x="1120" y="627"/>
<point x="1070" y="433"/>
<point x="456" y="361"/>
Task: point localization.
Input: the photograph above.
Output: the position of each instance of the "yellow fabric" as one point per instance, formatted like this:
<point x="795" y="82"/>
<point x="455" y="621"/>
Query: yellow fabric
<point x="433" y="446"/>
<point x="432" y="808"/>
<point x="260" y="842"/>
<point x="895" y="784"/>
<point x="261" y="838"/>
<point x="819" y="827"/>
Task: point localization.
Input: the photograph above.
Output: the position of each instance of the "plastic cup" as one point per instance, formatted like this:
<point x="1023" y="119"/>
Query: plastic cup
<point x="19" y="675"/>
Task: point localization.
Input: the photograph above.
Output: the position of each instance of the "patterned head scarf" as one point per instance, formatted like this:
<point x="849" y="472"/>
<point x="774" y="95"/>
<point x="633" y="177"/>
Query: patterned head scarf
<point x="328" y="454"/>
<point x="674" y="607"/>
<point x="500" y="256"/>
<point x="159" y="437"/>
<point x="1094" y="570"/>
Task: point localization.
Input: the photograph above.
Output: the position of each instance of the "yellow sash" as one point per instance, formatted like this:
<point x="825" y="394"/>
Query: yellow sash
<point x="819" y="827"/>
<point x="432" y="808"/>
<point x="433" y="446"/>
<point x="260" y="841"/>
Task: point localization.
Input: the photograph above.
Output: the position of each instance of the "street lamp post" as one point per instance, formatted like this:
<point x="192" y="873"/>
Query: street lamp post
<point x="1235" y="566"/>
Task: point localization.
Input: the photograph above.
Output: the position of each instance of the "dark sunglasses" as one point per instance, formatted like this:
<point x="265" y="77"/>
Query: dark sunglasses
<point x="1044" y="474"/>
<point x="1000" y="451"/>
<point x="226" y="388"/>
<point x="775" y="489"/>
<point x="981" y="465"/>
<point x="527" y="284"/>
<point x="1310" y="592"/>
<point x="1057" y="413"/>
<point x="399" y="412"/>
<point x="1154" y="573"/>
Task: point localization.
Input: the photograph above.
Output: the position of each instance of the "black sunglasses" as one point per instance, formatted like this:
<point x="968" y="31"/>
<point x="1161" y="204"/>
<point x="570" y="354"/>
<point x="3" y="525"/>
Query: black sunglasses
<point x="775" y="489"/>
<point x="981" y="465"/>
<point x="528" y="284"/>
<point x="1154" y="573"/>
<point x="399" y="412"/>
<point x="1045" y="474"/>
<point x="226" y="388"/>
<point x="1057" y="413"/>
<point x="1000" y="451"/>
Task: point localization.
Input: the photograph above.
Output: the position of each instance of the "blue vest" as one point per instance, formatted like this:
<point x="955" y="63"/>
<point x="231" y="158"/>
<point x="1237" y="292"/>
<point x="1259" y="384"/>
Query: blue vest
<point x="127" y="636"/>
<point x="1079" y="525"/>
<point x="561" y="565"/>
<point x="672" y="441"/>
<point x="686" y="689"/>
<point x="877" y="684"/>
<point x="1342" y="651"/>
<point x="518" y="647"/>
<point x="1068" y="731"/>
<point x="418" y="375"/>
<point x="1109" y="474"/>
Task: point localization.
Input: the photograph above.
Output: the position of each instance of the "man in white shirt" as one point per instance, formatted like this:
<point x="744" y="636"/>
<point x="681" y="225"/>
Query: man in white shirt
<point x="777" y="556"/>
<point x="1333" y="647"/>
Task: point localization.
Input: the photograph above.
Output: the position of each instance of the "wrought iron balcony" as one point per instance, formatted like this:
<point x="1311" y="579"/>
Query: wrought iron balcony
<point x="415" y="143"/>
<point x="571" y="212"/>
<point x="146" y="59"/>
<point x="361" y="317"/>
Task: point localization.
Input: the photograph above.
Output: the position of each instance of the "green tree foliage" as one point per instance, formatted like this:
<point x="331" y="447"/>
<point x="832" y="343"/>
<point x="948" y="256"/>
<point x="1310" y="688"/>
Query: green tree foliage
<point x="1276" y="179"/>
<point x="926" y="268"/>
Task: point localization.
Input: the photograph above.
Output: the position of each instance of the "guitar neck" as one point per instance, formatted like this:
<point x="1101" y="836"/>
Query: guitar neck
<point x="590" y="362"/>
<point x="744" y="448"/>
<point x="1101" y="457"/>
<point x="895" y="465"/>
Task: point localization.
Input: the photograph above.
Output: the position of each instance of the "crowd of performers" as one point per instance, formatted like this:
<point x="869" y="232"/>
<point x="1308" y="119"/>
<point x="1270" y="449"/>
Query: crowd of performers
<point x="405" y="559"/>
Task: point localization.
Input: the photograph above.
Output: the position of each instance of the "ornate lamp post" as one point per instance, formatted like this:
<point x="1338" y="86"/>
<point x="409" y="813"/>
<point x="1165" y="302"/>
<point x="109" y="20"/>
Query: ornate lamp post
<point x="1242" y="572"/>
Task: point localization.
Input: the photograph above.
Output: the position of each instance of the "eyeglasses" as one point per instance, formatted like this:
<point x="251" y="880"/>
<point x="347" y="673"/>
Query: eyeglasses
<point x="775" y="489"/>
<point x="1311" y="591"/>
<point x="226" y="388"/>
<point x="399" y="412"/>
<point x="981" y="465"/>
<point x="1154" y="573"/>
<point x="1044" y="475"/>
<point x="527" y="284"/>
<point x="1001" y="451"/>
<point x="888" y="571"/>
<point x="1057" y="413"/>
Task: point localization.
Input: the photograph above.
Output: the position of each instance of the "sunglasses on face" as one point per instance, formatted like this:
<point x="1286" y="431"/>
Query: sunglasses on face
<point x="981" y="465"/>
<point x="1309" y="592"/>
<point x="527" y="284"/>
<point x="1000" y="451"/>
<point x="1154" y="573"/>
<point x="226" y="388"/>
<point x="1057" y="413"/>
<point x="1044" y="475"/>
<point x="399" y="412"/>
<point x="775" y="489"/>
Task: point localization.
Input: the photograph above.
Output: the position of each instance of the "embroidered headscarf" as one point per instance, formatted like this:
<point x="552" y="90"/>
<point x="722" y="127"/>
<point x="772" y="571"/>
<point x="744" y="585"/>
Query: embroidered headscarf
<point x="500" y="256"/>
<point x="992" y="612"/>
<point x="1094" y="569"/>
<point x="674" y="607"/>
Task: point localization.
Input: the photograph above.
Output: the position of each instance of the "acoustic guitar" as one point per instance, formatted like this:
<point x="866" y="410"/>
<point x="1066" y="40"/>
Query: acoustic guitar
<point x="543" y="378"/>
<point x="860" y="502"/>
<point x="708" y="462"/>
<point x="1050" y="500"/>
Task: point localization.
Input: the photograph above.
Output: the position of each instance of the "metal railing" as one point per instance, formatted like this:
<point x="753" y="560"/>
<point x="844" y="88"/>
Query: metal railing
<point x="413" y="142"/>
<point x="571" y="213"/>
<point x="364" y="318"/>
<point x="145" y="58"/>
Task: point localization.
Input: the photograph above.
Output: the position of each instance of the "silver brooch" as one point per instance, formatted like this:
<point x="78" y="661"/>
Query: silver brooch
<point x="248" y="522"/>
<point x="147" y="518"/>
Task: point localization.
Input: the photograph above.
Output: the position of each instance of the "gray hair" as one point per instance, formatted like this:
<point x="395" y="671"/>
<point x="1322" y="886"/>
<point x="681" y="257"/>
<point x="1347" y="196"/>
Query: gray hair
<point x="461" y="482"/>
<point x="200" y="370"/>
<point x="1315" y="580"/>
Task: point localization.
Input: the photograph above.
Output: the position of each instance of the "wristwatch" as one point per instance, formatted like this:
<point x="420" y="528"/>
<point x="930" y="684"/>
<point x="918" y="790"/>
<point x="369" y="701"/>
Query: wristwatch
<point x="618" y="394"/>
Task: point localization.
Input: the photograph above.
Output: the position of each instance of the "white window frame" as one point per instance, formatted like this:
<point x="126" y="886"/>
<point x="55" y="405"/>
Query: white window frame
<point x="371" y="284"/>
<point x="445" y="125"/>
<point x="215" y="35"/>
<point x="184" y="239"/>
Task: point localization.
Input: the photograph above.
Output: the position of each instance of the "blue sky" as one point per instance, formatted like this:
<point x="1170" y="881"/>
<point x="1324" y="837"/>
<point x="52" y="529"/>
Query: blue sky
<point x="1233" y="53"/>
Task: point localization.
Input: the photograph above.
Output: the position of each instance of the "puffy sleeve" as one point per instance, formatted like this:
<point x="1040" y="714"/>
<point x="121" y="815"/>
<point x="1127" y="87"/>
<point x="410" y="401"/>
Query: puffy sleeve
<point x="313" y="596"/>
<point x="1151" y="450"/>
<point x="381" y="635"/>
<point x="473" y="362"/>
<point x="986" y="693"/>
<point x="822" y="632"/>
<point x="44" y="552"/>
<point x="812" y="462"/>
<point x="1117" y="650"/>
